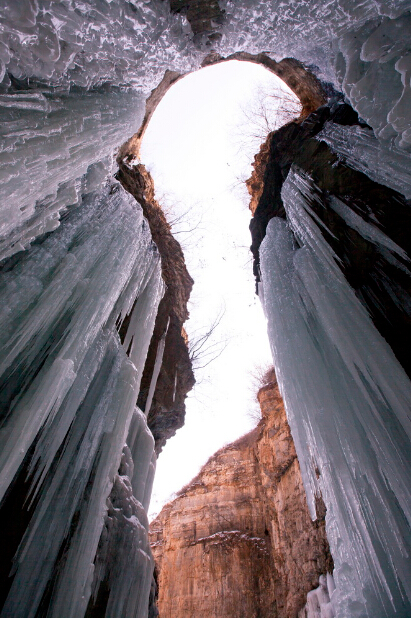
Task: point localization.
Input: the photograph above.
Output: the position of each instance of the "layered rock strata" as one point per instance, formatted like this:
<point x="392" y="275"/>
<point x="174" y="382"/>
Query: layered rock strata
<point x="238" y="541"/>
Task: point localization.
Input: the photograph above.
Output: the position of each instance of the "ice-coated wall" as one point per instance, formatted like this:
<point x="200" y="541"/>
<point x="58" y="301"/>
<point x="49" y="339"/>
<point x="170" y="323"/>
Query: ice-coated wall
<point x="93" y="42"/>
<point x="347" y="399"/>
<point x="48" y="142"/>
<point x="362" y="47"/>
<point x="124" y="563"/>
<point x="74" y="76"/>
<point x="69" y="388"/>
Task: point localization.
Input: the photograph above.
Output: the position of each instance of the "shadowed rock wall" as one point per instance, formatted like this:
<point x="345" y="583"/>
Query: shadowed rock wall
<point x="176" y="378"/>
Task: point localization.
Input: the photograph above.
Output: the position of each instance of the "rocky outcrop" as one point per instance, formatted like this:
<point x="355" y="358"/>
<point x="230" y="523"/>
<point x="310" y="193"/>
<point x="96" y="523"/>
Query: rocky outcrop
<point x="273" y="162"/>
<point x="238" y="541"/>
<point x="365" y="267"/>
<point x="167" y="409"/>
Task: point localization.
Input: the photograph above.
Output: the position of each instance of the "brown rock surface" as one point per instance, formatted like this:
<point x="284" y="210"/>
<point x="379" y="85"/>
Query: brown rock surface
<point x="238" y="541"/>
<point x="176" y="378"/>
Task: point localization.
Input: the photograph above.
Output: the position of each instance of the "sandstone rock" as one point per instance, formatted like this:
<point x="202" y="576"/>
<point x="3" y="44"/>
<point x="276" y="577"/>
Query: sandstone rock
<point x="238" y="541"/>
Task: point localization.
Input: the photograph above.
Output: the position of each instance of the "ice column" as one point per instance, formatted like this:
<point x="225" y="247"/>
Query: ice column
<point x="124" y="564"/>
<point x="348" y="403"/>
<point x="361" y="150"/>
<point x="318" y="601"/>
<point x="70" y="387"/>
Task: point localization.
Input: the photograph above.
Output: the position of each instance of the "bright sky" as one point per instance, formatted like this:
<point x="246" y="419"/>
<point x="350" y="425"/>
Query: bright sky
<point x="199" y="146"/>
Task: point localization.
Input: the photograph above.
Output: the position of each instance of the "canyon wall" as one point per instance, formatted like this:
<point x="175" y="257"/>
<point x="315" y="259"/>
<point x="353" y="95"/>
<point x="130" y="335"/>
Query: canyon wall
<point x="82" y="282"/>
<point x="334" y="278"/>
<point x="238" y="540"/>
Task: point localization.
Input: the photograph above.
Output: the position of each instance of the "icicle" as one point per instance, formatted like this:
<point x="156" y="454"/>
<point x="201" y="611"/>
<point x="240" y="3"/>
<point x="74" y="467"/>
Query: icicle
<point x="141" y="443"/>
<point x="72" y="388"/>
<point x="361" y="150"/>
<point x="123" y="562"/>
<point x="48" y="143"/>
<point x="157" y="367"/>
<point x="175" y="386"/>
<point x="318" y="600"/>
<point x="348" y="402"/>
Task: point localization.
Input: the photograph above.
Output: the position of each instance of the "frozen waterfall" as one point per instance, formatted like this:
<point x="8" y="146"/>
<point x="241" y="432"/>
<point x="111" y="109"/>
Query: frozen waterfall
<point x="348" y="403"/>
<point x="69" y="389"/>
<point x="49" y="140"/>
<point x="76" y="457"/>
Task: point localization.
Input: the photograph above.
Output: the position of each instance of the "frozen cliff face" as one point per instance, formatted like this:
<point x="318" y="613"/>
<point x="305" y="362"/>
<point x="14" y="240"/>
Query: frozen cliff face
<point x="49" y="140"/>
<point x="72" y="76"/>
<point x="363" y="48"/>
<point x="239" y="540"/>
<point x="52" y="53"/>
<point x="335" y="272"/>
<point x="124" y="564"/>
<point x="91" y="43"/>
<point x="168" y="373"/>
<point x="69" y="388"/>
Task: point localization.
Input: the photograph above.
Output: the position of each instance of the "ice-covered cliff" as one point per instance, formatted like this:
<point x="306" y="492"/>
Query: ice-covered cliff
<point x="69" y="392"/>
<point x="335" y="284"/>
<point x="81" y="283"/>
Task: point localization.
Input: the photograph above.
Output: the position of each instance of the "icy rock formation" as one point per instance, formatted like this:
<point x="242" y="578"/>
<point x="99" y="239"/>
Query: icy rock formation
<point x="361" y="150"/>
<point x="239" y="540"/>
<point x="318" y="600"/>
<point x="124" y="564"/>
<point x="49" y="140"/>
<point x="346" y="394"/>
<point x="91" y="43"/>
<point x="164" y="405"/>
<point x="73" y="74"/>
<point x="363" y="48"/>
<point x="69" y="388"/>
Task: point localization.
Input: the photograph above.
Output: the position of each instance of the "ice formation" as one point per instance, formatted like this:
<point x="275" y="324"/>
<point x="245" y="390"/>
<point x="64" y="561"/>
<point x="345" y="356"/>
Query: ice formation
<point x="48" y="142"/>
<point x="348" y="402"/>
<point x="80" y="258"/>
<point x="318" y="601"/>
<point x="69" y="389"/>
<point x="92" y="42"/>
<point x="359" y="147"/>
<point x="124" y="559"/>
<point x="362" y="47"/>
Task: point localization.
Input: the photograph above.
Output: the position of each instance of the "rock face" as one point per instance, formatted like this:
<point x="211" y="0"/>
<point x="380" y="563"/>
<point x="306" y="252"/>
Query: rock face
<point x="300" y="144"/>
<point x="175" y="379"/>
<point x="238" y="541"/>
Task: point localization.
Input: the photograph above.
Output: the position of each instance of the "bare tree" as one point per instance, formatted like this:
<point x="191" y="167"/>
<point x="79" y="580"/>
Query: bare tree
<point x="185" y="222"/>
<point x="268" y="110"/>
<point x="260" y="376"/>
<point x="203" y="347"/>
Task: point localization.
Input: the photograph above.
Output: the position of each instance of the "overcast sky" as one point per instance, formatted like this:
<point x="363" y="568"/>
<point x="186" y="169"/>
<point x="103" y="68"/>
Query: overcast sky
<point x="199" y="147"/>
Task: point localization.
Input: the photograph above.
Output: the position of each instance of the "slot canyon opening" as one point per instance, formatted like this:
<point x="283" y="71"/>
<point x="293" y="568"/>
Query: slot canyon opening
<point x="199" y="147"/>
<point x="94" y="284"/>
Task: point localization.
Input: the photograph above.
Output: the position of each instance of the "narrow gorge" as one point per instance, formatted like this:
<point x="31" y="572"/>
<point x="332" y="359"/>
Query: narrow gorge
<point x="310" y="513"/>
